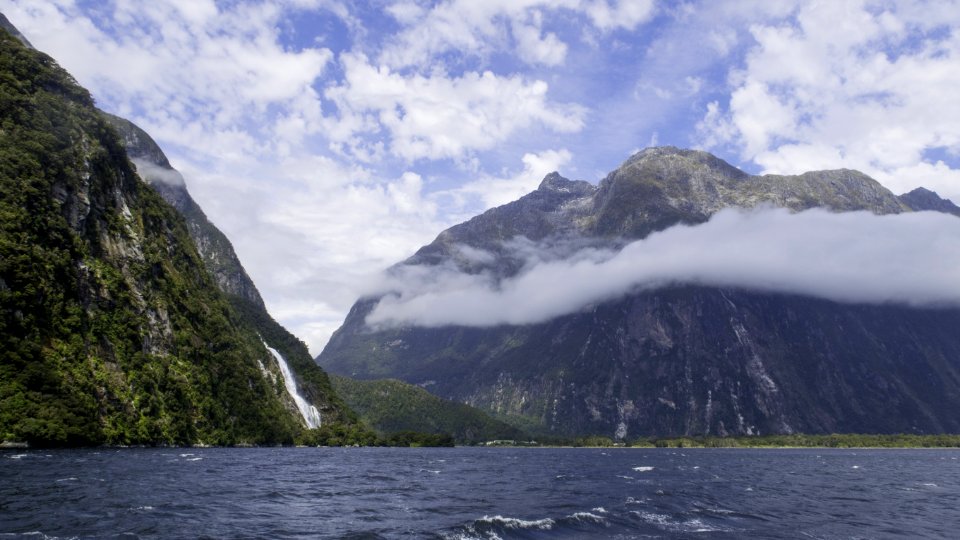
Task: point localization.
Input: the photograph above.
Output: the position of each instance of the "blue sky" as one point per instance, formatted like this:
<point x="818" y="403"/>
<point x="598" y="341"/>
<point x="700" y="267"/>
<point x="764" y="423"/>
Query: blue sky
<point x="331" y="139"/>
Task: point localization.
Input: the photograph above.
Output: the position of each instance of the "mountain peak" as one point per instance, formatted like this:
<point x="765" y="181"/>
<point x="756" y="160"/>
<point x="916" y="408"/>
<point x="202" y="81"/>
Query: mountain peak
<point x="663" y="156"/>
<point x="923" y="199"/>
<point x="557" y="183"/>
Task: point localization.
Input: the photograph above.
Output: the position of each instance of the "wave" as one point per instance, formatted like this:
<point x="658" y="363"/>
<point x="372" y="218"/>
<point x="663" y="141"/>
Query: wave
<point x="669" y="524"/>
<point x="515" y="523"/>
<point x="492" y="527"/>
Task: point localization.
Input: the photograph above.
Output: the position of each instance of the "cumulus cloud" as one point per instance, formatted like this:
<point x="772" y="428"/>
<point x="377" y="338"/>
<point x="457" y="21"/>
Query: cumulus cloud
<point x="495" y="191"/>
<point x="854" y="257"/>
<point x="619" y="13"/>
<point x="438" y="116"/>
<point x="862" y="85"/>
<point x="470" y="28"/>
<point x="214" y="79"/>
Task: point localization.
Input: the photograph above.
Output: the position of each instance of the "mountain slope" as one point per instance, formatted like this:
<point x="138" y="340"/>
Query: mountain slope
<point x="224" y="266"/>
<point x="214" y="247"/>
<point x="679" y="360"/>
<point x="112" y="329"/>
<point x="389" y="405"/>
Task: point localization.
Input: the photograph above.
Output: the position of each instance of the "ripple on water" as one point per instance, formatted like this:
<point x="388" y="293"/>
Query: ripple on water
<point x="477" y="493"/>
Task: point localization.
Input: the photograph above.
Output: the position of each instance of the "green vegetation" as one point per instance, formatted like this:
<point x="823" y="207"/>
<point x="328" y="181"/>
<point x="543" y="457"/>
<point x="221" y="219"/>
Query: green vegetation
<point x="391" y="406"/>
<point x="314" y="383"/>
<point x="111" y="330"/>
<point x="844" y="440"/>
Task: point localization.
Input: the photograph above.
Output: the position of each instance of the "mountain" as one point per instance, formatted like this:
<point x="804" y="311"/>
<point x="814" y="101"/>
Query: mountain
<point x="680" y="359"/>
<point x="12" y="30"/>
<point x="924" y="199"/>
<point x="214" y="247"/>
<point x="224" y="266"/>
<point x="114" y="327"/>
<point x="389" y="406"/>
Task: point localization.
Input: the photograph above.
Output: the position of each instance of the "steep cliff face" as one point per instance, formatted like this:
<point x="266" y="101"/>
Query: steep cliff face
<point x="223" y="265"/>
<point x="112" y="329"/>
<point x="683" y="359"/>
<point x="214" y="247"/>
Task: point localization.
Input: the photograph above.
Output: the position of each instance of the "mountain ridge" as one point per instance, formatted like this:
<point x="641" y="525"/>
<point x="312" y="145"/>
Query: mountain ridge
<point x="682" y="359"/>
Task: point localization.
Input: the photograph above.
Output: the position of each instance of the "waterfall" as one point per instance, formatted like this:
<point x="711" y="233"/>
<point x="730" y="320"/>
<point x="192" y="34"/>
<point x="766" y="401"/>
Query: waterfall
<point x="310" y="413"/>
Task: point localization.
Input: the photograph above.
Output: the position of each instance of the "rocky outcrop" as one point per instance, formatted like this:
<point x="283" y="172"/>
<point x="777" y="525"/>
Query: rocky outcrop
<point x="682" y="360"/>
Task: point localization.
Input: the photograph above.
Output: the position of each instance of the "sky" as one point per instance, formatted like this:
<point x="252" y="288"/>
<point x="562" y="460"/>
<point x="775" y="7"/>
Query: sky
<point x="329" y="139"/>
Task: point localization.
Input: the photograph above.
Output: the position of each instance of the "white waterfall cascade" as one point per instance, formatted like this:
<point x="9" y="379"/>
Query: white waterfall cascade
<point x="310" y="413"/>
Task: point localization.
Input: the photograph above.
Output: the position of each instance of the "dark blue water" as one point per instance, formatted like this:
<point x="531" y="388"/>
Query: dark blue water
<point x="479" y="493"/>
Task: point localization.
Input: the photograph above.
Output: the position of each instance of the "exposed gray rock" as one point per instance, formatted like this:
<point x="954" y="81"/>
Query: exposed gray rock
<point x="214" y="247"/>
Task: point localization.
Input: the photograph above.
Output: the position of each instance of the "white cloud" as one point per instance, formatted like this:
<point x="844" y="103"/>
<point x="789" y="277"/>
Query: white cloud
<point x="466" y="27"/>
<point x="842" y="257"/>
<point x="862" y="85"/>
<point x="152" y="173"/>
<point x="313" y="234"/>
<point x="205" y="77"/>
<point x="495" y="191"/>
<point x="471" y="28"/>
<point x="627" y="14"/>
<point x="438" y="116"/>
<point x="534" y="47"/>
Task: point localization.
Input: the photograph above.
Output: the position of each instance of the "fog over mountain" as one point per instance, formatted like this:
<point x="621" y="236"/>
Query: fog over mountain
<point x="845" y="257"/>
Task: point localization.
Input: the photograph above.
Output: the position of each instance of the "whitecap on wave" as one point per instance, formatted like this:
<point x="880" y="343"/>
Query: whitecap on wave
<point x="491" y="527"/>
<point x="643" y="469"/>
<point x="515" y="523"/>
<point x="669" y="524"/>
<point x="586" y="517"/>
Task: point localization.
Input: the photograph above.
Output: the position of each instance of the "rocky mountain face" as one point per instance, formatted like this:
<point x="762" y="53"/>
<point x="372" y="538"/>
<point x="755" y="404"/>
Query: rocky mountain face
<point x="924" y="199"/>
<point x="679" y="360"/>
<point x="214" y="247"/>
<point x="113" y="329"/>
<point x="223" y="265"/>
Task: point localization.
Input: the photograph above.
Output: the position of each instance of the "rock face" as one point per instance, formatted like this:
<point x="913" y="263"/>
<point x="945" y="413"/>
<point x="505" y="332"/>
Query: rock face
<point x="214" y="247"/>
<point x="112" y="329"/>
<point x="683" y="360"/>
<point x="924" y="199"/>
<point x="224" y="267"/>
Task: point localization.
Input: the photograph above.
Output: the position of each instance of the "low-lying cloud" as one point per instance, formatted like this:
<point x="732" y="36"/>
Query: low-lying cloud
<point x="854" y="257"/>
<point x="154" y="173"/>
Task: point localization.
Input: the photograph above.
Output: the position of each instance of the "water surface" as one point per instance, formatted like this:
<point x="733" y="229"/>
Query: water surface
<point x="479" y="493"/>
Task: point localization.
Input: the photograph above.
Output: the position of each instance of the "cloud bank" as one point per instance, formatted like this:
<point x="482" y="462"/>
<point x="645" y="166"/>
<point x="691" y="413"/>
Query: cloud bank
<point x="854" y="257"/>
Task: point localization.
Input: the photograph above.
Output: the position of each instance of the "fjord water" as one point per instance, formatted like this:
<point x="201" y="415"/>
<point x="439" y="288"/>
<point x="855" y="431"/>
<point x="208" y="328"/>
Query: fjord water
<point x="479" y="493"/>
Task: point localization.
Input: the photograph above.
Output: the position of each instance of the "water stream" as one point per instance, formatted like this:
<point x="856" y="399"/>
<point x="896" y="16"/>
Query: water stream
<point x="310" y="413"/>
